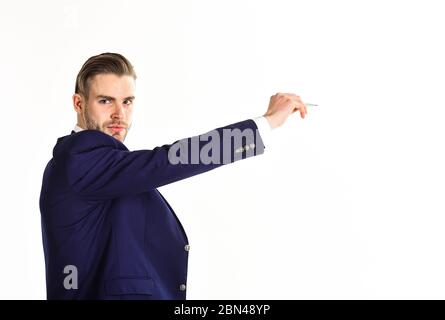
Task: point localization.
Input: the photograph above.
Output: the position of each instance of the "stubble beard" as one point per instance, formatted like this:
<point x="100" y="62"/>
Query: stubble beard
<point x="90" y="124"/>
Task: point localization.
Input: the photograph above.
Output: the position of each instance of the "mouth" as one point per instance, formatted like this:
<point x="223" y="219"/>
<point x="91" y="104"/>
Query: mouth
<point x="116" y="128"/>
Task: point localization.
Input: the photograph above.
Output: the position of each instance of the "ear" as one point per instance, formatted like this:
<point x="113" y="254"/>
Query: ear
<point x="78" y="102"/>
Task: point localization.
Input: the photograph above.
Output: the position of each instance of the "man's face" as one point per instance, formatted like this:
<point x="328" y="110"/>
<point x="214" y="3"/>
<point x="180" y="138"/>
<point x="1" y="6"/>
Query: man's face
<point x="109" y="107"/>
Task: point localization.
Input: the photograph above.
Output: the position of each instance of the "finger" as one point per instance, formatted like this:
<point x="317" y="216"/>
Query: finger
<point x="295" y="106"/>
<point x="293" y="96"/>
<point x="302" y="111"/>
<point x="303" y="107"/>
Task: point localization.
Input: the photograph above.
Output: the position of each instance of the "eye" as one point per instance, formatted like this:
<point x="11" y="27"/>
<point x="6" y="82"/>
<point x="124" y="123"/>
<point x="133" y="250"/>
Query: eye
<point x="104" y="101"/>
<point x="128" y="102"/>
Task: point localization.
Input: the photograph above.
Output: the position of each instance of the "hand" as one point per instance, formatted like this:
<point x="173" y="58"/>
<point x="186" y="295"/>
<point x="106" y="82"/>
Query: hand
<point x="281" y="106"/>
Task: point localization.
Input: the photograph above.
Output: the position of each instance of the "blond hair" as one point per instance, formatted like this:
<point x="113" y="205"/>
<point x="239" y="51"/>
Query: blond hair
<point x="104" y="63"/>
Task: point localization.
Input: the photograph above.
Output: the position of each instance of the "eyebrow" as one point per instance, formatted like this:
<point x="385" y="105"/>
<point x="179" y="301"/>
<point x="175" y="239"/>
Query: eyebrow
<point x="113" y="99"/>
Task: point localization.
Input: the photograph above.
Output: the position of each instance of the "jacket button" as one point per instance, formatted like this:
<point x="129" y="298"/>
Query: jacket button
<point x="182" y="287"/>
<point x="187" y="247"/>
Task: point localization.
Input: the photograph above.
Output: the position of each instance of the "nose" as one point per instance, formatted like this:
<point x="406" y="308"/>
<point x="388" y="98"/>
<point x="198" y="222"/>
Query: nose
<point x="118" y="111"/>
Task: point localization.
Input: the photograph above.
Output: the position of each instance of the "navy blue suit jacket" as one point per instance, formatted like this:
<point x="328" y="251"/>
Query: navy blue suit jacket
<point x="101" y="212"/>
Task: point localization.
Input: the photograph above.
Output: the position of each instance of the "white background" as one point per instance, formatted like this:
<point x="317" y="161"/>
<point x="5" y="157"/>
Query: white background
<point x="347" y="203"/>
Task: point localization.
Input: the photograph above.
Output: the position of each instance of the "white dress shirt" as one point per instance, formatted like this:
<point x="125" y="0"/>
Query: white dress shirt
<point x="264" y="128"/>
<point x="77" y="128"/>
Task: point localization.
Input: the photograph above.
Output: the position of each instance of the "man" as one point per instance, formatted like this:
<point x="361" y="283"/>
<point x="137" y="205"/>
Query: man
<point x="108" y="233"/>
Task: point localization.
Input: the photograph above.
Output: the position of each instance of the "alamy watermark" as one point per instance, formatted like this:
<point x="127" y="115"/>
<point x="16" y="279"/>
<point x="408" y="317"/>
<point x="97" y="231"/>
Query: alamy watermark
<point x="70" y="281"/>
<point x="193" y="151"/>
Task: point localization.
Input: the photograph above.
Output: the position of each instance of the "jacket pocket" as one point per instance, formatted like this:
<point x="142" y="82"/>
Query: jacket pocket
<point x="121" y="286"/>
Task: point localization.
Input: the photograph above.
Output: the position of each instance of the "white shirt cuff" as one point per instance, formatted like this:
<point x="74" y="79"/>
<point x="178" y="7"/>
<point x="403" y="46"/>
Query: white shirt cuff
<point x="264" y="128"/>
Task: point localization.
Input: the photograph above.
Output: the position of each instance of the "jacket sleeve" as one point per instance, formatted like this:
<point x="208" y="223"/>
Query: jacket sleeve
<point x="96" y="168"/>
